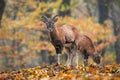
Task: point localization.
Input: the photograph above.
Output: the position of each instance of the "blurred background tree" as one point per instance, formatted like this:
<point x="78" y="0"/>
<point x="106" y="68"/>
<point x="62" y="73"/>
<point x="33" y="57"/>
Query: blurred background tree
<point x="23" y="36"/>
<point x="64" y="9"/>
<point x="2" y="7"/>
<point x="115" y="11"/>
<point x="103" y="7"/>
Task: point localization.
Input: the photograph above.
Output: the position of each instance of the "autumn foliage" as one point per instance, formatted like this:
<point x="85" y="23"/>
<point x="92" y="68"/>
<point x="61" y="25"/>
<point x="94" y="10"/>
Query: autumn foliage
<point x="23" y="36"/>
<point x="61" y="72"/>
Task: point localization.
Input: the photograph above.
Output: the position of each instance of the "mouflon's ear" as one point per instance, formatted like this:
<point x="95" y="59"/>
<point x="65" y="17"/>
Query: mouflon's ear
<point x="44" y="18"/>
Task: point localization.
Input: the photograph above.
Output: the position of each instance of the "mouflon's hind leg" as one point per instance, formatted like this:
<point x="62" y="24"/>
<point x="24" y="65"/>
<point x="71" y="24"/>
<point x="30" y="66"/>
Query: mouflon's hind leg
<point x="76" y="54"/>
<point x="85" y="58"/>
<point x="70" y="56"/>
<point x="68" y="59"/>
<point x="71" y="59"/>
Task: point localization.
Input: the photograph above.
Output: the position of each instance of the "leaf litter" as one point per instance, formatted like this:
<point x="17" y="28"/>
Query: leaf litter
<point x="62" y="72"/>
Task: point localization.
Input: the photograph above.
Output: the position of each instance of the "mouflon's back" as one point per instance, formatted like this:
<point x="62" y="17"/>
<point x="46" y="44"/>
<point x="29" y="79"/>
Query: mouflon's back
<point x="85" y="43"/>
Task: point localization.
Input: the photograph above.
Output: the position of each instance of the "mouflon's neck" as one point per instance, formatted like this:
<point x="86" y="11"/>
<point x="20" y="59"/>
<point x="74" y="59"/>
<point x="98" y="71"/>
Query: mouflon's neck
<point x="53" y="34"/>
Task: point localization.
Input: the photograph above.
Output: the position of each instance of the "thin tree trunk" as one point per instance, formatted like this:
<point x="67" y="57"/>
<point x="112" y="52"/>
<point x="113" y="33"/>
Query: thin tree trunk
<point x="2" y="7"/>
<point x="116" y="25"/>
<point x="103" y="15"/>
<point x="103" y="10"/>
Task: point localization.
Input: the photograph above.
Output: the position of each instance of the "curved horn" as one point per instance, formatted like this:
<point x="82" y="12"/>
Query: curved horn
<point x="44" y="18"/>
<point x="55" y="17"/>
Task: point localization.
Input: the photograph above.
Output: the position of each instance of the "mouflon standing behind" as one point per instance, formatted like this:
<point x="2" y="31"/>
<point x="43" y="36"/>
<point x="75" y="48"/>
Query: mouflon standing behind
<point x="85" y="46"/>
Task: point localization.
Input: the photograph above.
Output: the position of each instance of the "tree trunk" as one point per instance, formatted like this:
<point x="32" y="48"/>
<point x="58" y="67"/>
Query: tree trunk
<point x="103" y="10"/>
<point x="2" y="7"/>
<point x="116" y="25"/>
<point x="92" y="8"/>
<point x="103" y="15"/>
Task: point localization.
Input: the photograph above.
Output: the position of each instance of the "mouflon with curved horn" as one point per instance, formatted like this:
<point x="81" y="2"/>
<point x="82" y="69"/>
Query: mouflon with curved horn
<point x="60" y="37"/>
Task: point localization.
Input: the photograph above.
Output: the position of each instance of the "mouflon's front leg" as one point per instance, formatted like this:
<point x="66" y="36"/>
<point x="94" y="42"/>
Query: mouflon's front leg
<point x="58" y="58"/>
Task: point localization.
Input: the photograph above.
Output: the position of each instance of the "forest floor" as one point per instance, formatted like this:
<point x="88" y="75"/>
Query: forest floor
<point x="61" y="72"/>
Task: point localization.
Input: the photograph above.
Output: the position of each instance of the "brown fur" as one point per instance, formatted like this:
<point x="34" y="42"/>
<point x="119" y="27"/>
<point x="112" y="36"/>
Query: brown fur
<point x="69" y="35"/>
<point x="61" y="36"/>
<point x="85" y="45"/>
